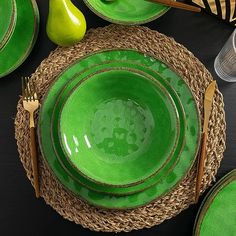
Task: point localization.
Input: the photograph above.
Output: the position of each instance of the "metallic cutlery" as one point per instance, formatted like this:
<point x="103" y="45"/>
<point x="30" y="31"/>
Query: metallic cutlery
<point x="208" y="102"/>
<point x="31" y="104"/>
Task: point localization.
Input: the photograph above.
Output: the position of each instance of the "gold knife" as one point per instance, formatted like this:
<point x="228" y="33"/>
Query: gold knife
<point x="208" y="101"/>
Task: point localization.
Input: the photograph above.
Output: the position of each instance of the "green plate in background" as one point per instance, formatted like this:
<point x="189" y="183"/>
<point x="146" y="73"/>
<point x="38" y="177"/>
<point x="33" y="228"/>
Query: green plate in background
<point x="108" y="189"/>
<point x="18" y="32"/>
<point x="217" y="214"/>
<point x="7" y="20"/>
<point x="127" y="12"/>
<point x="185" y="162"/>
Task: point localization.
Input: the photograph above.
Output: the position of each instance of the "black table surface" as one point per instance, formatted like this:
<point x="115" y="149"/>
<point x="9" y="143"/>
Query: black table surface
<point x="20" y="212"/>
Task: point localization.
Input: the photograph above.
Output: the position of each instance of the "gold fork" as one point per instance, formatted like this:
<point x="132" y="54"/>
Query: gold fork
<point x="31" y="104"/>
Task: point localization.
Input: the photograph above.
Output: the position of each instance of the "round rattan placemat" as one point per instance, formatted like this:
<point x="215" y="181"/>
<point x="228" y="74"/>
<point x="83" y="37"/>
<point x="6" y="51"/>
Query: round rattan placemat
<point x="191" y="70"/>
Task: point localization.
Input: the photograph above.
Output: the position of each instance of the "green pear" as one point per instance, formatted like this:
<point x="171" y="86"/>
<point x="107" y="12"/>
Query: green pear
<point x="66" y="24"/>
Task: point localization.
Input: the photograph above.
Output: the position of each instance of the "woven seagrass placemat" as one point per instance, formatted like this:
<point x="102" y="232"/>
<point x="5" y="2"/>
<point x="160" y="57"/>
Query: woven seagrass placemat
<point x="191" y="70"/>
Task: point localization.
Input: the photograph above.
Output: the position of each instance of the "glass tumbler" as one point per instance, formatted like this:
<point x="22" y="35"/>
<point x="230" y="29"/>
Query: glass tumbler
<point x="225" y="62"/>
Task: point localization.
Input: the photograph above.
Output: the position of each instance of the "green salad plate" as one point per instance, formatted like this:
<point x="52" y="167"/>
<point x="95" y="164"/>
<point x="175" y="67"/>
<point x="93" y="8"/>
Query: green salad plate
<point x="217" y="214"/>
<point x="109" y="189"/>
<point x="18" y="32"/>
<point x="127" y="12"/>
<point x="119" y="127"/>
<point x="157" y="189"/>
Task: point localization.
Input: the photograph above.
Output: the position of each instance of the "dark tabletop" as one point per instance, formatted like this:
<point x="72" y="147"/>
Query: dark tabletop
<point x="20" y="212"/>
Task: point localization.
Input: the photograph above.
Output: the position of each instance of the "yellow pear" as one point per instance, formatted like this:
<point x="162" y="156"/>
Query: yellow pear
<point x="66" y="24"/>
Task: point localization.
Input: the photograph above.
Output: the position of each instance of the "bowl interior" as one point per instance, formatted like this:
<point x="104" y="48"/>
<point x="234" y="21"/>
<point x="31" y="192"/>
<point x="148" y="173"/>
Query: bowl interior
<point x="126" y="11"/>
<point x="118" y="127"/>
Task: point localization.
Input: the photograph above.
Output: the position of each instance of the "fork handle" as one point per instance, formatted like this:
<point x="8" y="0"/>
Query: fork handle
<point x="34" y="161"/>
<point x="200" y="166"/>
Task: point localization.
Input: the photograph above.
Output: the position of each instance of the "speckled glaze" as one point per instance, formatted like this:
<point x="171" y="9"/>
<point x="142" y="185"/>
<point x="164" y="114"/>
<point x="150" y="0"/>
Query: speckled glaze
<point x="217" y="214"/>
<point x="18" y="44"/>
<point x="181" y="168"/>
<point x="127" y="12"/>
<point x="119" y="127"/>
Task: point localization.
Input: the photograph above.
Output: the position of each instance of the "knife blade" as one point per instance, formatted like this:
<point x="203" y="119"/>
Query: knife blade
<point x="208" y="102"/>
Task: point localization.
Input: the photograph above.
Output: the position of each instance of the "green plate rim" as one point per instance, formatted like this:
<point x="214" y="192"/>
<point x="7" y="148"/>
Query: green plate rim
<point x="31" y="43"/>
<point x="149" y="77"/>
<point x="11" y="26"/>
<point x="209" y="198"/>
<point x="197" y="113"/>
<point x="120" y="22"/>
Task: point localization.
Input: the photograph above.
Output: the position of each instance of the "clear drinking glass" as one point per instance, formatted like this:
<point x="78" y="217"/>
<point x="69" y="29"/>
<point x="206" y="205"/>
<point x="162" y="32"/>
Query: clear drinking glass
<point x="225" y="62"/>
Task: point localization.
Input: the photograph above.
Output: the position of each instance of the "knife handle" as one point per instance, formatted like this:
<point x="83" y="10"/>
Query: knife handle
<point x="200" y="166"/>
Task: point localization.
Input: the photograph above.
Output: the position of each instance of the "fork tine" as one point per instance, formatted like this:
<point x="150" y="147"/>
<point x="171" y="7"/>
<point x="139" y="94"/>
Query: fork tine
<point x="35" y="90"/>
<point x="27" y="89"/>
<point x="23" y="87"/>
<point x="32" y="86"/>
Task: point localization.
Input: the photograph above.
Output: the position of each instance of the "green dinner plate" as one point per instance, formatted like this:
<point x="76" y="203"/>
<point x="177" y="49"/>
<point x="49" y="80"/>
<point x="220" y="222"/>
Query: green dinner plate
<point x="18" y="32"/>
<point x="7" y="20"/>
<point x="217" y="214"/>
<point x="126" y="11"/>
<point x="72" y="171"/>
<point x="119" y="127"/>
<point x="185" y="162"/>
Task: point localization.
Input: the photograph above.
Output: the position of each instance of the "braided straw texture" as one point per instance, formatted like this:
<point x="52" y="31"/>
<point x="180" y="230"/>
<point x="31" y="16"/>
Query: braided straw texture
<point x="191" y="70"/>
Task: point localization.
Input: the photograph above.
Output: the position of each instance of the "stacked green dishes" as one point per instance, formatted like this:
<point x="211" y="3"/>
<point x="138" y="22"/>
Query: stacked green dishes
<point x="18" y="32"/>
<point x="217" y="215"/>
<point x="127" y="12"/>
<point x="116" y="109"/>
<point x="134" y="188"/>
<point x="119" y="127"/>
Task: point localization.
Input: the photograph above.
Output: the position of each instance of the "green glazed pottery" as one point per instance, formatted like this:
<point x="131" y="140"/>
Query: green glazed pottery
<point x="119" y="127"/>
<point x="127" y="12"/>
<point x="7" y="20"/>
<point x="109" y="189"/>
<point x="19" y="16"/>
<point x="168" y="182"/>
<point x="217" y="214"/>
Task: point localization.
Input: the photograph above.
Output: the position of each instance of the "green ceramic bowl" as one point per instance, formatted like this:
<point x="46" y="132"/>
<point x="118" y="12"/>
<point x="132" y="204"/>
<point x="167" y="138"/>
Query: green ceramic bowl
<point x="109" y="189"/>
<point x="119" y="127"/>
<point x="217" y="214"/>
<point x="16" y="17"/>
<point x="168" y="182"/>
<point x="127" y="12"/>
